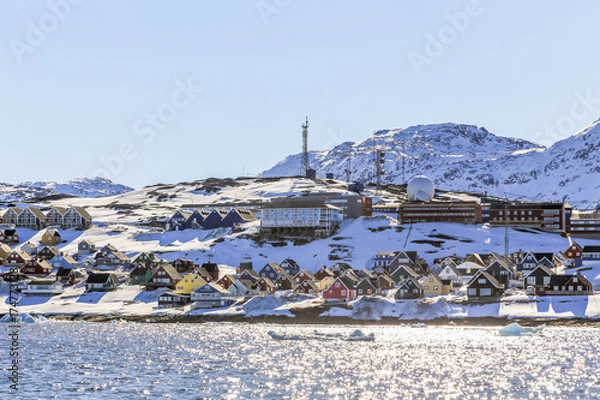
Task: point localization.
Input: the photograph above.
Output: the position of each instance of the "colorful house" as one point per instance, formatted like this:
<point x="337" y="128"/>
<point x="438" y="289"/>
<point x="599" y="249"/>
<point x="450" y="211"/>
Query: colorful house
<point x="86" y="247"/>
<point x="140" y="274"/>
<point x="165" y="276"/>
<point x="36" y="268"/>
<point x="575" y="253"/>
<point x="290" y="266"/>
<point x="62" y="260"/>
<point x="433" y="285"/>
<point x="306" y="287"/>
<point x="237" y="216"/>
<point x="340" y="290"/>
<point x="189" y="283"/>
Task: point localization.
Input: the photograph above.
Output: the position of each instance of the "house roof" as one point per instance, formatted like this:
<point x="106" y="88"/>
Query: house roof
<point x="140" y="270"/>
<point x="64" y="272"/>
<point x="216" y="287"/>
<point x="561" y="280"/>
<point x="37" y="212"/>
<point x="88" y="242"/>
<point x="591" y="249"/>
<point x="407" y="283"/>
<point x="83" y="212"/>
<point x="487" y="276"/>
<point x="171" y="271"/>
<point x="99" y="277"/>
<point x="307" y="274"/>
<point x="60" y="210"/>
<point x="39" y="282"/>
<point x="547" y="270"/>
<point x="52" y="232"/>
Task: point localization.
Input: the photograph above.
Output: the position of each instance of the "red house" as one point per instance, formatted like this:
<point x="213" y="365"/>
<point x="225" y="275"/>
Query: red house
<point x="265" y="285"/>
<point x="575" y="253"/>
<point x="303" y="276"/>
<point x="341" y="289"/>
<point x="36" y="267"/>
<point x="17" y="259"/>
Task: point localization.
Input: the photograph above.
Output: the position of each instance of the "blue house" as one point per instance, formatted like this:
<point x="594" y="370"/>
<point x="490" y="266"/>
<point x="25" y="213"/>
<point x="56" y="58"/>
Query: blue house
<point x="271" y="270"/>
<point x="178" y="220"/>
<point x="290" y="266"/>
<point x="62" y="260"/>
<point x="532" y="260"/>
<point x="195" y="220"/>
<point x="590" y="254"/>
<point x="236" y="216"/>
<point x="214" y="219"/>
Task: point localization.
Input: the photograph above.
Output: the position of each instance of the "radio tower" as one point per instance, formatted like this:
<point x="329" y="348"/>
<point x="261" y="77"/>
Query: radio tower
<point x="304" y="166"/>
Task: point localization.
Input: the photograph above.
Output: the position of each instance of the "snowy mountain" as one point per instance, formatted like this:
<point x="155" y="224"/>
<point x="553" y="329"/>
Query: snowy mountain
<point x="469" y="158"/>
<point x="82" y="187"/>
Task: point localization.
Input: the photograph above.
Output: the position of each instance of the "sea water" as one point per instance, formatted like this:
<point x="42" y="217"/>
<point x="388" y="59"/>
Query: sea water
<point x="68" y="360"/>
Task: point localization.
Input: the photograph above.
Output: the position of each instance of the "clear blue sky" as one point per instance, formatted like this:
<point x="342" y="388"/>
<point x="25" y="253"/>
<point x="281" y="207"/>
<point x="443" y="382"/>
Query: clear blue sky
<point x="97" y="86"/>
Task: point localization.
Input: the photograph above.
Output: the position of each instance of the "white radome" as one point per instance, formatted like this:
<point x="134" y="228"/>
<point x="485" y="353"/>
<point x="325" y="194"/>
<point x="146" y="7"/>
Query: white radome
<point x="420" y="188"/>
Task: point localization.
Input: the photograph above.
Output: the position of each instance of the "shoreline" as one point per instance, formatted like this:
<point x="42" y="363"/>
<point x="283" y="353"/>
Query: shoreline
<point x="304" y="318"/>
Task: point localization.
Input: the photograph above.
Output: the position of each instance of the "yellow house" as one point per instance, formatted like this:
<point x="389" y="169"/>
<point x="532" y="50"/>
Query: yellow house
<point x="326" y="282"/>
<point x="5" y="250"/>
<point x="189" y="283"/>
<point x="433" y="285"/>
<point x="51" y="237"/>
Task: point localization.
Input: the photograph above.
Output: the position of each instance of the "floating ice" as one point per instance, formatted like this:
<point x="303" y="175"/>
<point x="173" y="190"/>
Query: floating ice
<point x="514" y="329"/>
<point x="356" y="336"/>
<point x="22" y="318"/>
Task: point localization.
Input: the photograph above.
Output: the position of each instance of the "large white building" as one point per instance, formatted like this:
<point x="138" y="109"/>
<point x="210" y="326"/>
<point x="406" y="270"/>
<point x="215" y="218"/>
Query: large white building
<point x="300" y="217"/>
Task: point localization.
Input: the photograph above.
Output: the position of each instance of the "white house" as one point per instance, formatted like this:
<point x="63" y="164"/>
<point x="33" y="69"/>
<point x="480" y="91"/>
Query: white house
<point x="43" y="287"/>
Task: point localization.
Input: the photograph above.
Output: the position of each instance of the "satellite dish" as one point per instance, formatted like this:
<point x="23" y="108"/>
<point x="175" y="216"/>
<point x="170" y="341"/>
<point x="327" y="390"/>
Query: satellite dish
<point x="420" y="188"/>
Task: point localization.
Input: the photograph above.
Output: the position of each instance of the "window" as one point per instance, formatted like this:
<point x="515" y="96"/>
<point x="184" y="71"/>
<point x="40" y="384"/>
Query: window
<point x="546" y="280"/>
<point x="426" y="287"/>
<point x="574" y="279"/>
<point x="343" y="292"/>
<point x="360" y="291"/>
<point x="337" y="284"/>
<point x="481" y="281"/>
<point x="472" y="292"/>
<point x="531" y="280"/>
<point x="486" y="291"/>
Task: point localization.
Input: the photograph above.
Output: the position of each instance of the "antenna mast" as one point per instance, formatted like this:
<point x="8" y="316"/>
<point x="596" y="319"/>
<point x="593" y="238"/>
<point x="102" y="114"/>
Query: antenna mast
<point x="304" y="166"/>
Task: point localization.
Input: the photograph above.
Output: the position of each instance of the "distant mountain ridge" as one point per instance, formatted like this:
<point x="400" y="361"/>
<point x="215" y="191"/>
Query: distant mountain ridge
<point x="469" y="158"/>
<point x="81" y="187"/>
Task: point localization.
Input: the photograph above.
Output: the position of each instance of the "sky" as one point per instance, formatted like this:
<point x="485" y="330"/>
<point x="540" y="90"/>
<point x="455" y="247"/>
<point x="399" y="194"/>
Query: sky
<point x="148" y="91"/>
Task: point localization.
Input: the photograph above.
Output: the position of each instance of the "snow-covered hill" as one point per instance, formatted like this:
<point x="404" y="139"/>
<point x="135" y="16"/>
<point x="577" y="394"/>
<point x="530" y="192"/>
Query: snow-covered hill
<point x="469" y="158"/>
<point x="82" y="187"/>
